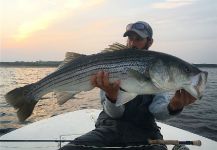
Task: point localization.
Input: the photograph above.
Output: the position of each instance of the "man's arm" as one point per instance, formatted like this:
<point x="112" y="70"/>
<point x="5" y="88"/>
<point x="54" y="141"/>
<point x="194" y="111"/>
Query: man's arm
<point x="109" y="107"/>
<point x="163" y="107"/>
<point x="158" y="107"/>
<point x="108" y="94"/>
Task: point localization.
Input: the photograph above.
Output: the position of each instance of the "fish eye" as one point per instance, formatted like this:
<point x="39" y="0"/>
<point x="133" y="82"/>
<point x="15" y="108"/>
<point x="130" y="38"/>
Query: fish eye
<point x="187" y="70"/>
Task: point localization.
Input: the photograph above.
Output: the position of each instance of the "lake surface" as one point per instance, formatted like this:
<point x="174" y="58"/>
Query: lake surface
<point x="199" y="118"/>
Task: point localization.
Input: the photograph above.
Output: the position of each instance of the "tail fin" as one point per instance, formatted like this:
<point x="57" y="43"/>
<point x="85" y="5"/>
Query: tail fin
<point x="19" y="100"/>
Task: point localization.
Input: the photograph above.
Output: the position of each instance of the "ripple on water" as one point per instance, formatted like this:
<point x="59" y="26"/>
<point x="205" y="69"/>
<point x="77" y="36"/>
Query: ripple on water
<point x="199" y="117"/>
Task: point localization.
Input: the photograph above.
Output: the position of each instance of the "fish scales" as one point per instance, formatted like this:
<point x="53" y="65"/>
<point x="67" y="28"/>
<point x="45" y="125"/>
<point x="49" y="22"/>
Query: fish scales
<point x="140" y="72"/>
<point x="76" y="69"/>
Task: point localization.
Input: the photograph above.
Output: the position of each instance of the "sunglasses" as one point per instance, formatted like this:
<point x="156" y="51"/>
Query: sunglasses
<point x="138" y="26"/>
<point x="135" y="38"/>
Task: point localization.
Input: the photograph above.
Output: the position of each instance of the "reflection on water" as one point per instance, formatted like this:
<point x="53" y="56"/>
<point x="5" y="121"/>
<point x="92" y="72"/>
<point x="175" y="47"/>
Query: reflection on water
<point x="12" y="78"/>
<point x="199" y="117"/>
<point x="17" y="77"/>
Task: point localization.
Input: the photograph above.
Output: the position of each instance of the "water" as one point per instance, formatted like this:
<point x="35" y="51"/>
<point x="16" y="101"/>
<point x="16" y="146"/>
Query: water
<point x="199" y="118"/>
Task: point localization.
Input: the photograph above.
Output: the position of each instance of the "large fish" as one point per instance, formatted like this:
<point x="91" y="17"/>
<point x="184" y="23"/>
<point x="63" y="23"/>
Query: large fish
<point x="140" y="72"/>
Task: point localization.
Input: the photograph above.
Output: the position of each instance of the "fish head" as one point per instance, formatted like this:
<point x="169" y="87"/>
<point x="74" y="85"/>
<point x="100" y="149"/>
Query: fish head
<point x="175" y="74"/>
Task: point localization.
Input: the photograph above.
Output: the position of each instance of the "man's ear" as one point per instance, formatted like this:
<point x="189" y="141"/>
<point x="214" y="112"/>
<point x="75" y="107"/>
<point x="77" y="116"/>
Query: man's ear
<point x="150" y="41"/>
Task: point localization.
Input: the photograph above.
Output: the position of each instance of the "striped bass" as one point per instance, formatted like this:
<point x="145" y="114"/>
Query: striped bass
<point x="140" y="72"/>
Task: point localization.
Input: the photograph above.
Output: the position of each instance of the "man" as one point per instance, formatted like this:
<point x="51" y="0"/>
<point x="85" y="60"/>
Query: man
<point x="134" y="122"/>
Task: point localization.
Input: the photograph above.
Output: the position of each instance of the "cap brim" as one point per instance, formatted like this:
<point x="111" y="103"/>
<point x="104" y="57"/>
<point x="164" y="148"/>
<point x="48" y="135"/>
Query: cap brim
<point x="138" y="32"/>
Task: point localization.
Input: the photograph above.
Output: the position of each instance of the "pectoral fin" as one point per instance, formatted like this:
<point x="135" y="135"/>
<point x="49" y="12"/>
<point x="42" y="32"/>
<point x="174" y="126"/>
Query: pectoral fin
<point x="124" y="97"/>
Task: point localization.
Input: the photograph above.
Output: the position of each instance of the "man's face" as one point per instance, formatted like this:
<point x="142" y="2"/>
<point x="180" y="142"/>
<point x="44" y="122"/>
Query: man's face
<point x="135" y="41"/>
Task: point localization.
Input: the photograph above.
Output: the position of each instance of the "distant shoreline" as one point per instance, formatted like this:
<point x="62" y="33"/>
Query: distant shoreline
<point x="31" y="64"/>
<point x="57" y="63"/>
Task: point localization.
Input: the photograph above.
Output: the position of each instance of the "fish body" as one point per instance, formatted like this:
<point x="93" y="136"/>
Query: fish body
<point x="140" y="72"/>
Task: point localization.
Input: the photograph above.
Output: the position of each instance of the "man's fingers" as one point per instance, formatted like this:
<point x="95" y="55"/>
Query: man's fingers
<point x="106" y="80"/>
<point x="93" y="80"/>
<point x="116" y="84"/>
<point x="99" y="79"/>
<point x="186" y="98"/>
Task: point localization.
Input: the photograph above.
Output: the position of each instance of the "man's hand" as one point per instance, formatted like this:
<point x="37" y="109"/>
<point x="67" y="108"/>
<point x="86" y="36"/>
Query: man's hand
<point x="101" y="80"/>
<point x="181" y="99"/>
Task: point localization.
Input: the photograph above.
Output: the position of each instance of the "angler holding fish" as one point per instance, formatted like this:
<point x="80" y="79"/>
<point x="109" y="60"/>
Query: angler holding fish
<point x="134" y="83"/>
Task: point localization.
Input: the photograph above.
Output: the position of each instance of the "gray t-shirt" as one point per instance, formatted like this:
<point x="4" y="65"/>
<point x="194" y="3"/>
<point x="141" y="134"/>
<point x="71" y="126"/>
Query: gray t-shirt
<point x="158" y="106"/>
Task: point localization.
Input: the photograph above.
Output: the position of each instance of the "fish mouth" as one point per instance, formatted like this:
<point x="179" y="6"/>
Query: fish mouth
<point x="199" y="83"/>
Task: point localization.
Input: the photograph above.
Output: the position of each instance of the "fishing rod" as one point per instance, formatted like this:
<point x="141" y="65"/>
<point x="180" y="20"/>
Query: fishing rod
<point x="175" y="142"/>
<point x="166" y="142"/>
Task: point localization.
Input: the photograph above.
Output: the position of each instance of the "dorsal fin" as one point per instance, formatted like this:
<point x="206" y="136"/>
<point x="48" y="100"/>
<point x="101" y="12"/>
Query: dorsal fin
<point x="114" y="47"/>
<point x="69" y="56"/>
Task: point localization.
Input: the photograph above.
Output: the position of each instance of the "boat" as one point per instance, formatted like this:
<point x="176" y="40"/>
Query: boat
<point x="55" y="132"/>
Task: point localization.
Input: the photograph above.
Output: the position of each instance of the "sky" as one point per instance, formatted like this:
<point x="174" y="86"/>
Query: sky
<point x="33" y="30"/>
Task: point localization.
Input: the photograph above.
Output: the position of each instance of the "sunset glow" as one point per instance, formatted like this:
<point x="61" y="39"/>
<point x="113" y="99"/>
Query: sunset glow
<point x="33" y="30"/>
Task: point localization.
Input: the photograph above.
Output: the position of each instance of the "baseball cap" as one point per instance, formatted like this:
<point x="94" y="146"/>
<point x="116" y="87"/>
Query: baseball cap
<point x="141" y="28"/>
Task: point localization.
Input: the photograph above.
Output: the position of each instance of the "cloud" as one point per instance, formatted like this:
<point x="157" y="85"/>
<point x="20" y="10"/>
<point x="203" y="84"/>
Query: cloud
<point x="170" y="4"/>
<point x="46" y="19"/>
<point x="28" y="28"/>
